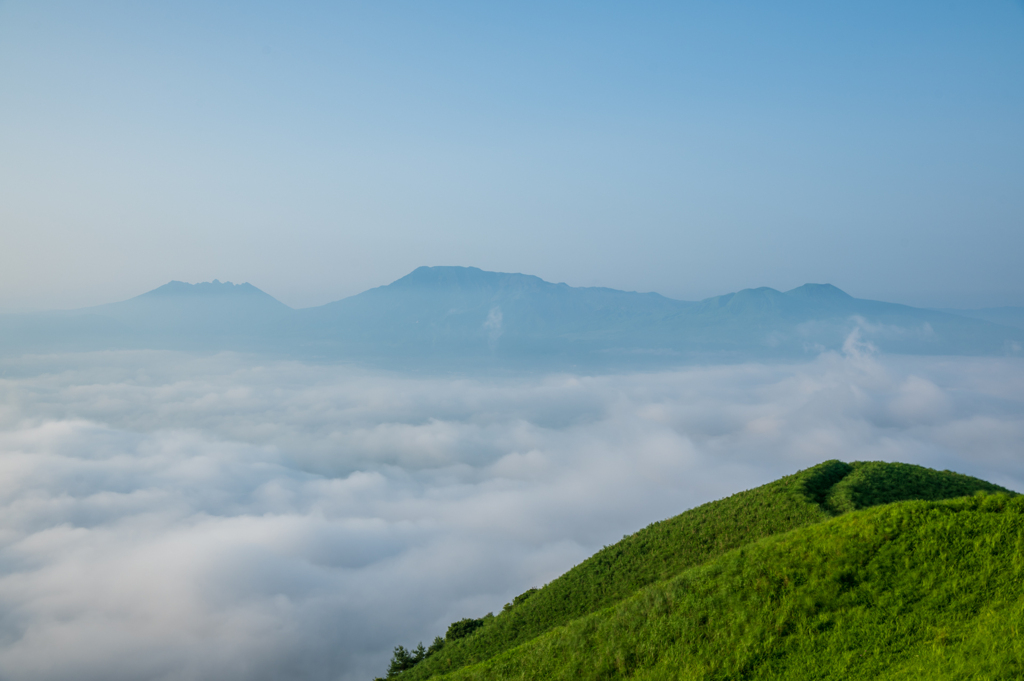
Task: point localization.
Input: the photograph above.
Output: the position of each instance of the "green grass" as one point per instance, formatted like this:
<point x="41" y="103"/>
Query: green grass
<point x="663" y="551"/>
<point x="871" y="483"/>
<point x="915" y="589"/>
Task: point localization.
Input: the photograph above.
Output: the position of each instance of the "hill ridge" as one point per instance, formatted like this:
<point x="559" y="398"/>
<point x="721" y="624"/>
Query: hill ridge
<point x="668" y="547"/>
<point x="912" y="589"/>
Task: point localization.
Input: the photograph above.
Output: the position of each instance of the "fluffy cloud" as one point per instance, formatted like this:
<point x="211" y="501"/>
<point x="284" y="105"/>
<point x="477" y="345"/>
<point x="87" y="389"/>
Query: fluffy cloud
<point x="165" y="516"/>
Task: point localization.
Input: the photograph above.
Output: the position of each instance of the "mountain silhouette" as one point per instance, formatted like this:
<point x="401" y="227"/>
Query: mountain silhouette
<point x="209" y="316"/>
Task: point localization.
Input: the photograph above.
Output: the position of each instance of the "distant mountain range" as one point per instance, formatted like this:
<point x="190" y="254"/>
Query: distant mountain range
<point x="464" y="316"/>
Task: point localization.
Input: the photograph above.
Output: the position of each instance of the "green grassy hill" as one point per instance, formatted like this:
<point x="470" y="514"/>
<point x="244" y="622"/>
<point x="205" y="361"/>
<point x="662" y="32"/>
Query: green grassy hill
<point x="745" y="587"/>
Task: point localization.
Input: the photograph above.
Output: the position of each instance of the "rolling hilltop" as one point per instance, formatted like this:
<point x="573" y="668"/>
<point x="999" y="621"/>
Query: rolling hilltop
<point x="463" y="316"/>
<point x="841" y="571"/>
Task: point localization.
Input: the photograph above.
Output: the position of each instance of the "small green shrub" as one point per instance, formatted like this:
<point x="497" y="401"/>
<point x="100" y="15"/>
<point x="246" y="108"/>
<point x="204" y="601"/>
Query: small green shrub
<point x="462" y="628"/>
<point x="521" y="598"/>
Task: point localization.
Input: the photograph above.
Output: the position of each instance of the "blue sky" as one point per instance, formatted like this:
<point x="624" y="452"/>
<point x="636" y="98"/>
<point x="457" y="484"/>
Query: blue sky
<point x="316" y="150"/>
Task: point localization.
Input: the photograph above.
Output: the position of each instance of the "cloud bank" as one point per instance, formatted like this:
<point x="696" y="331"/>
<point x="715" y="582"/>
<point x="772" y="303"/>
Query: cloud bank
<point x="165" y="516"/>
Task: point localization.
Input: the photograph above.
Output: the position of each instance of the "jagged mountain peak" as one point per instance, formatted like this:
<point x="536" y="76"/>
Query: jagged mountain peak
<point x="466" y="278"/>
<point x="204" y="288"/>
<point x="214" y="297"/>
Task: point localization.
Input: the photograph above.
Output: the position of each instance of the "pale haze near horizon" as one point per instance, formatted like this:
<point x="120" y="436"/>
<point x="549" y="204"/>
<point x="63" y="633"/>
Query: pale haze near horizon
<point x="316" y="151"/>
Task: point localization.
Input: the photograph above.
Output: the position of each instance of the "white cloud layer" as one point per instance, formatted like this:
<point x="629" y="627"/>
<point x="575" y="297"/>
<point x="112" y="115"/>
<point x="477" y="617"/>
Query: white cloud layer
<point x="164" y="516"/>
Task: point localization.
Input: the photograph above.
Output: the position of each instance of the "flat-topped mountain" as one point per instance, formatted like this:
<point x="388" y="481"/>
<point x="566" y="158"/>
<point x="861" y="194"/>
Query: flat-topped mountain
<point x="205" y="291"/>
<point x="464" y="316"/>
<point x="177" y="303"/>
<point x="208" y="316"/>
<point x="438" y="310"/>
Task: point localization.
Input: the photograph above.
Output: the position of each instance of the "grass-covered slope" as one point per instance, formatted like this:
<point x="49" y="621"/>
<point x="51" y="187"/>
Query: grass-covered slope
<point x="918" y="589"/>
<point x="872" y="483"/>
<point x="664" y="550"/>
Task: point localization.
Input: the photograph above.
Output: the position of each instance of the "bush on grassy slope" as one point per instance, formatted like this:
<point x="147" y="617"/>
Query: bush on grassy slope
<point x="666" y="548"/>
<point x="915" y="589"/>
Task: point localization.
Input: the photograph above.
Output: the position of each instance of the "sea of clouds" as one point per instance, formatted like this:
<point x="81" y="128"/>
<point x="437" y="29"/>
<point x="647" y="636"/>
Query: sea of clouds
<point x="167" y="516"/>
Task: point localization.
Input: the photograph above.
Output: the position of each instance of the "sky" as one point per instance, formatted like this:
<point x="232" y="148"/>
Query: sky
<point x="174" y="516"/>
<point x="171" y="517"/>
<point x="319" y="149"/>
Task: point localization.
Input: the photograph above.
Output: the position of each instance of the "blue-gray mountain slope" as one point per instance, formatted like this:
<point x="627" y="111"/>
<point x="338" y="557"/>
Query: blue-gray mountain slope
<point x="1005" y="316"/>
<point x="209" y="316"/>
